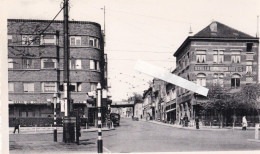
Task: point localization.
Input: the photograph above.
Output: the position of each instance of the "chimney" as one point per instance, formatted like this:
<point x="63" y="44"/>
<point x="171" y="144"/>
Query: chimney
<point x="190" y="32"/>
<point x="214" y="27"/>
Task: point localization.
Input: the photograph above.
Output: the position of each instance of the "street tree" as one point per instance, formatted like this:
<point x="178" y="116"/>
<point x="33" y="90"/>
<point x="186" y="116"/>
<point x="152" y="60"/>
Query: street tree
<point x="218" y="100"/>
<point x="248" y="98"/>
<point x="137" y="98"/>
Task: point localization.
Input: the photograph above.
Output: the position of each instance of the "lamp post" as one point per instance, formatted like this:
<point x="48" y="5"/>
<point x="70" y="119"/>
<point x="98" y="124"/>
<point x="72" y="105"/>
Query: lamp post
<point x="55" y="124"/>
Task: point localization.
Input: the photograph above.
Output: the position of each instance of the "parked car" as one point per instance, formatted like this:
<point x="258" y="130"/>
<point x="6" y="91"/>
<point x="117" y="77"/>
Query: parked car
<point x="115" y="118"/>
<point x="135" y="118"/>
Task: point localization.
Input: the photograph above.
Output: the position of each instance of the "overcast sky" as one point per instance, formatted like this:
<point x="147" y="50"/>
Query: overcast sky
<point x="150" y="30"/>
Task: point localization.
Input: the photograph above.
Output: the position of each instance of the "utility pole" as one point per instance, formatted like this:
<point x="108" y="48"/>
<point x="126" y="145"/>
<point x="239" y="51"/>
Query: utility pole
<point x="66" y="60"/>
<point x="68" y="122"/>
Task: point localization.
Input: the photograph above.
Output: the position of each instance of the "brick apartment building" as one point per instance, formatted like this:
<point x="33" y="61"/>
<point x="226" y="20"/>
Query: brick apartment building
<point x="35" y="67"/>
<point x="218" y="54"/>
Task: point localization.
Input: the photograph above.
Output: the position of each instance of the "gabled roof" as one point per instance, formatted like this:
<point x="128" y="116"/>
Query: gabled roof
<point x="219" y="30"/>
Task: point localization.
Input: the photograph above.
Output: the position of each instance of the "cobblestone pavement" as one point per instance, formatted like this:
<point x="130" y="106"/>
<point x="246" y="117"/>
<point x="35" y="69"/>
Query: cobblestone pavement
<point x="139" y="136"/>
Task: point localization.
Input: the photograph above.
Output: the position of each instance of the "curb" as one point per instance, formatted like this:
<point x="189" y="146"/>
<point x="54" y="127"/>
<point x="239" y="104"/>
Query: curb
<point x="253" y="140"/>
<point x="50" y="131"/>
<point x="189" y="128"/>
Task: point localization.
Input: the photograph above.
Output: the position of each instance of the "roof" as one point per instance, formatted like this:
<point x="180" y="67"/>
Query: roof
<point x="217" y="31"/>
<point x="53" y="21"/>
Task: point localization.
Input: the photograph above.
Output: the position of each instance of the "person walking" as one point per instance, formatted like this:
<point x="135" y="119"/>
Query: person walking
<point x="197" y="123"/>
<point x="16" y="125"/>
<point x="244" y="123"/>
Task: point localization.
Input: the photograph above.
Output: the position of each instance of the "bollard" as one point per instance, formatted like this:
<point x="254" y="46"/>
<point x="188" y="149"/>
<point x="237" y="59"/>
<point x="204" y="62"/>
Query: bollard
<point x="257" y="131"/>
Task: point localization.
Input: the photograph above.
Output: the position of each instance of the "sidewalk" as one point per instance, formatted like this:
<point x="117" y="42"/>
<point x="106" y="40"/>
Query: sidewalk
<point x="49" y="130"/>
<point x="213" y="128"/>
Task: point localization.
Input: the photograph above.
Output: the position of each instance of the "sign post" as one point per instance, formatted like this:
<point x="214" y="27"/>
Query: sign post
<point x="99" y="97"/>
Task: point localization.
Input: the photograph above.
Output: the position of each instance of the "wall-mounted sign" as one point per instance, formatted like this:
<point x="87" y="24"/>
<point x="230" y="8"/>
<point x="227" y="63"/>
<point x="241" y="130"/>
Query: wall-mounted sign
<point x="219" y="68"/>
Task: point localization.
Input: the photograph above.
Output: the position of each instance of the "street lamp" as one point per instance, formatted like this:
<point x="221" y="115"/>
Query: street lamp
<point x="55" y="124"/>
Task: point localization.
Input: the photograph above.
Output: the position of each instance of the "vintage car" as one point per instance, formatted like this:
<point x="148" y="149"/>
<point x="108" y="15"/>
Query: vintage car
<point x="115" y="118"/>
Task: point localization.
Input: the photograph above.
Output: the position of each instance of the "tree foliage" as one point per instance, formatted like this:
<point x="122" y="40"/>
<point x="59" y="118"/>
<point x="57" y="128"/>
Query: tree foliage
<point x="247" y="97"/>
<point x="137" y="98"/>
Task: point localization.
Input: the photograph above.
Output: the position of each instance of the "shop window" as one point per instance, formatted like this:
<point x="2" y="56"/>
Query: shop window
<point x="201" y="56"/>
<point x="10" y="63"/>
<point x="249" y="47"/>
<point x="75" y="41"/>
<point x="75" y="63"/>
<point x="49" y="87"/>
<point x="10" y="87"/>
<point x="28" y="87"/>
<point x="218" y="79"/>
<point x="49" y="63"/>
<point x="201" y="79"/>
<point x="235" y="81"/>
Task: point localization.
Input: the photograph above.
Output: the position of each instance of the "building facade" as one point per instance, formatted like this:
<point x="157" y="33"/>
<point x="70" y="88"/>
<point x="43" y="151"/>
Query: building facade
<point x="218" y="54"/>
<point x="36" y="67"/>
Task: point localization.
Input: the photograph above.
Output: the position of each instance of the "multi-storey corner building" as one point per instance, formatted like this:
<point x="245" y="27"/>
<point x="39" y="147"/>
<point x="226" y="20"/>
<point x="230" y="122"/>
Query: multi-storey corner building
<point x="218" y="54"/>
<point x="36" y="66"/>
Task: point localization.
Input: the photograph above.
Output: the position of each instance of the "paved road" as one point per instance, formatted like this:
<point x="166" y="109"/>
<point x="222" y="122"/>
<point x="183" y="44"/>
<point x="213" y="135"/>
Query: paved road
<point x="140" y="136"/>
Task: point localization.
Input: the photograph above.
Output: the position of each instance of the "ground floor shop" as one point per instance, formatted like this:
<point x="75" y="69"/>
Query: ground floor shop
<point x="43" y="114"/>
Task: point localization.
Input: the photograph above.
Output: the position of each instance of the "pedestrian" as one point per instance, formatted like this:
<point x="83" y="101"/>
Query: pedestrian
<point x="16" y="125"/>
<point x="181" y="121"/>
<point x="197" y="122"/>
<point x="186" y="120"/>
<point x="244" y="123"/>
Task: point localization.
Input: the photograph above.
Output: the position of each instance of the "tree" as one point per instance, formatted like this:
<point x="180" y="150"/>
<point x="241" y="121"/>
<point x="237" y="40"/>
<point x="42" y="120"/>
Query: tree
<point x="248" y="97"/>
<point x="137" y="98"/>
<point x="219" y="100"/>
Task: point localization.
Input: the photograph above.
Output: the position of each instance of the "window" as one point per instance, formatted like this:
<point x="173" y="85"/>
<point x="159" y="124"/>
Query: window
<point x="249" y="67"/>
<point x="218" y="79"/>
<point x="201" y="56"/>
<point x="94" y="42"/>
<point x="94" y="65"/>
<point x="48" y="40"/>
<point x="249" y="47"/>
<point x="75" y="63"/>
<point x="10" y="87"/>
<point x="10" y="63"/>
<point x="49" y="63"/>
<point x="77" y="86"/>
<point x="49" y="87"/>
<point x="27" y="40"/>
<point x="29" y="63"/>
<point x="235" y="81"/>
<point x="218" y="56"/>
<point x="75" y="41"/>
<point x="93" y="86"/>
<point x="235" y="57"/>
<point x="28" y="87"/>
<point x="201" y="79"/>
<point x="10" y="39"/>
